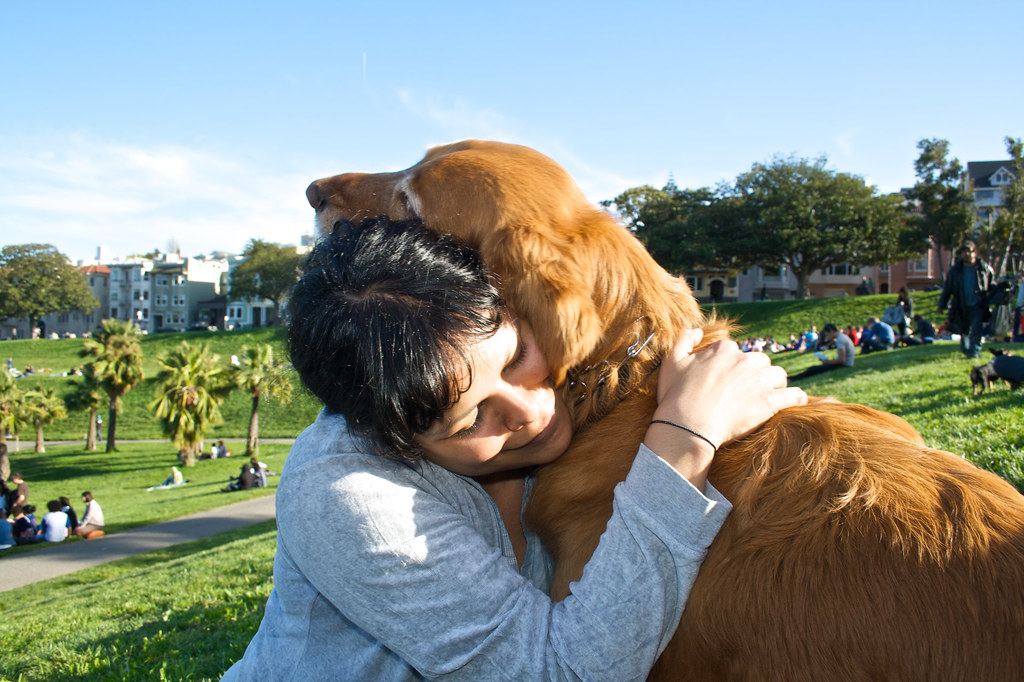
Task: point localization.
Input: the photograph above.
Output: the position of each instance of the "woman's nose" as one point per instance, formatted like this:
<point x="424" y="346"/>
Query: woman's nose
<point x="520" y="406"/>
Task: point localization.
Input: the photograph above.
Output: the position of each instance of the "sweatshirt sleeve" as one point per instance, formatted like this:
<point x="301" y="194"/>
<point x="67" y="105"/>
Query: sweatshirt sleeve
<point x="406" y="567"/>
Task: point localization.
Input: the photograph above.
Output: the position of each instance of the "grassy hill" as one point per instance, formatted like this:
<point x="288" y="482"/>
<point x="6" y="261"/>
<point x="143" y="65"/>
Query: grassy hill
<point x="782" y="318"/>
<point x="928" y="386"/>
<point x="55" y="357"/>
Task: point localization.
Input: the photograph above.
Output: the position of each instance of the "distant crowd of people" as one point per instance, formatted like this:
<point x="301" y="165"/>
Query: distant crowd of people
<point x="972" y="304"/>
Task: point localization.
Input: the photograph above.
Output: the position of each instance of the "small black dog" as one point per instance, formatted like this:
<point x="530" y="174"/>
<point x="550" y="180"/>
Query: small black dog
<point x="1003" y="366"/>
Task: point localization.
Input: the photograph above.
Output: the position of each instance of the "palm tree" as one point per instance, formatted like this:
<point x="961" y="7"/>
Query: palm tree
<point x="87" y="394"/>
<point x="10" y="396"/>
<point x="261" y="374"/>
<point x="190" y="390"/>
<point x="118" y="357"/>
<point x="41" y="408"/>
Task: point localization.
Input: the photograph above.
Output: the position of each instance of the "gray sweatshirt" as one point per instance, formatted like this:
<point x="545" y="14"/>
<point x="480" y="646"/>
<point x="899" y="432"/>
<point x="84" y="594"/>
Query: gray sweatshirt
<point x="387" y="571"/>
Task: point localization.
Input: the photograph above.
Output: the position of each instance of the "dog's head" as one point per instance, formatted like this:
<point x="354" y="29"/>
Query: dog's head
<point x="982" y="376"/>
<point x="581" y="279"/>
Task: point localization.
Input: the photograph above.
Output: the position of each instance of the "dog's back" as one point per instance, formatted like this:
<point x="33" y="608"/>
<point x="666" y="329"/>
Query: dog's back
<point x="1010" y="369"/>
<point x="854" y="552"/>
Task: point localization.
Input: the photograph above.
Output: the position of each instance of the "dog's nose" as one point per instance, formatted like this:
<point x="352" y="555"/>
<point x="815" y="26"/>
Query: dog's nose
<point x="315" y="195"/>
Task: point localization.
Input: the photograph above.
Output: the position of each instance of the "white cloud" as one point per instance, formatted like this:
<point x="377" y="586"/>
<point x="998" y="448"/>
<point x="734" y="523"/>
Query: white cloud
<point x="78" y="193"/>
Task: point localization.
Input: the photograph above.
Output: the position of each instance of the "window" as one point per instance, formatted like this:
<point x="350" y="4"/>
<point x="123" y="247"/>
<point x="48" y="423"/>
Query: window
<point x="920" y="265"/>
<point x="177" y="300"/>
<point x="113" y="297"/>
<point x="1002" y="177"/>
<point x="163" y="282"/>
<point x="161" y="299"/>
<point x="138" y="276"/>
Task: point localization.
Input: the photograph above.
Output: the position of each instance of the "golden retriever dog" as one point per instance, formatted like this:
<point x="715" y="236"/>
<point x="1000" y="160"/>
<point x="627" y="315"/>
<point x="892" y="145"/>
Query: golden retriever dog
<point x="854" y="551"/>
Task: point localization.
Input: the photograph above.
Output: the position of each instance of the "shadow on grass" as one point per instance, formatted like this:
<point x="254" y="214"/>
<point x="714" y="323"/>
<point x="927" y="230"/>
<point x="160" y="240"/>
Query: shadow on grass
<point x="185" y="612"/>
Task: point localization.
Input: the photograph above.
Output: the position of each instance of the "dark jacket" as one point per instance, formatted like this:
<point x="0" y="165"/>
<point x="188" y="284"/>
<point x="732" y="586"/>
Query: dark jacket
<point x="959" y="317"/>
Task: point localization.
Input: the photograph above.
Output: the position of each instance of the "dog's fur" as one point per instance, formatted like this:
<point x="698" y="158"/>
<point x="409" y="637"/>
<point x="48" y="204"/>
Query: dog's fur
<point x="982" y="377"/>
<point x="853" y="552"/>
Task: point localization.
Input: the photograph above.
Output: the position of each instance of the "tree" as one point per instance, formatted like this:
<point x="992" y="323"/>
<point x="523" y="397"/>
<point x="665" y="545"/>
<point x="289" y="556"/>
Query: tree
<point x="800" y="213"/>
<point x="36" y="280"/>
<point x="190" y="389"/>
<point x="1009" y="225"/>
<point x="10" y="397"/>
<point x="41" y="407"/>
<point x="87" y="394"/>
<point x="675" y="225"/>
<point x="261" y="374"/>
<point x="268" y="271"/>
<point x="118" y="358"/>
<point x="942" y="193"/>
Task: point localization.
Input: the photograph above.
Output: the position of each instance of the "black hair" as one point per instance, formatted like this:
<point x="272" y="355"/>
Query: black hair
<point x="830" y="328"/>
<point x="53" y="505"/>
<point x="381" y="319"/>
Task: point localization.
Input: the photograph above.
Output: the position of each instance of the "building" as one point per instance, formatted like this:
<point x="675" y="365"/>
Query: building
<point x="182" y="288"/>
<point x="130" y="291"/>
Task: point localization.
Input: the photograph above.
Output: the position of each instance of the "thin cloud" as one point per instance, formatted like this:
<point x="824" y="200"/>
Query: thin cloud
<point x="83" y="194"/>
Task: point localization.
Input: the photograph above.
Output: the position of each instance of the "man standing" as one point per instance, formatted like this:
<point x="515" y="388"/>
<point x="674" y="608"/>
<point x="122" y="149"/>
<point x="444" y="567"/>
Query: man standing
<point x="844" y="353"/>
<point x="966" y="291"/>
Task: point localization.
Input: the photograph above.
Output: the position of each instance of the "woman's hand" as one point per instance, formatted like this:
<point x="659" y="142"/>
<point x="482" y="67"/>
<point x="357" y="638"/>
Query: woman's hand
<point x="721" y="394"/>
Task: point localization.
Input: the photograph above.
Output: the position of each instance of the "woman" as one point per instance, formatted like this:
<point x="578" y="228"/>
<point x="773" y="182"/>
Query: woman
<point x="401" y="553"/>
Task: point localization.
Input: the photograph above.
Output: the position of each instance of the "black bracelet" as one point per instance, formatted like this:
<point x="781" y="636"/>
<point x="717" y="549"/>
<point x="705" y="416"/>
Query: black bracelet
<point x="689" y="430"/>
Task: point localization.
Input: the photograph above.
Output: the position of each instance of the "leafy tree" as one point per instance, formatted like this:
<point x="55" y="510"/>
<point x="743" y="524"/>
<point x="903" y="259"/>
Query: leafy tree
<point x="1009" y="225"/>
<point x="36" y="280"/>
<point x="190" y="390"/>
<point x="41" y="407"/>
<point x="118" y="359"/>
<point x="800" y="213"/>
<point x="945" y="209"/>
<point x="677" y="226"/>
<point x="87" y="394"/>
<point x="10" y="397"/>
<point x="261" y="374"/>
<point x="269" y="271"/>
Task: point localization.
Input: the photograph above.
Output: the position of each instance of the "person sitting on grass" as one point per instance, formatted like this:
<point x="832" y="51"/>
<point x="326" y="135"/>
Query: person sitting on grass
<point x="91" y="525"/>
<point x="844" y="353"/>
<point x="6" y="531"/>
<point x="924" y="333"/>
<point x="65" y="506"/>
<point x="55" y="524"/>
<point x="24" y="530"/>
<point x="877" y="336"/>
<point x="245" y="480"/>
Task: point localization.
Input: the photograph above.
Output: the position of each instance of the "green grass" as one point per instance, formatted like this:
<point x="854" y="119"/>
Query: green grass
<point x="119" y="481"/>
<point x="182" y="613"/>
<point x="135" y="421"/>
<point x="782" y="318"/>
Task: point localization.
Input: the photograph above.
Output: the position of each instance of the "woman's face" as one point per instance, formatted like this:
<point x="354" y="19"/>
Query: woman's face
<point x="508" y="418"/>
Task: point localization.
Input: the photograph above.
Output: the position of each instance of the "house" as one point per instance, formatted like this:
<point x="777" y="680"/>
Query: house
<point x="180" y="288"/>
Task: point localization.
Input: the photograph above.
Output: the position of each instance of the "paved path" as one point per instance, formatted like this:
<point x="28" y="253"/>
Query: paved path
<point x="57" y="560"/>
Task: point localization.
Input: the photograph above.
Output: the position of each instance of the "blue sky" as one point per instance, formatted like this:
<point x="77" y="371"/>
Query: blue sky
<point x="129" y="124"/>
